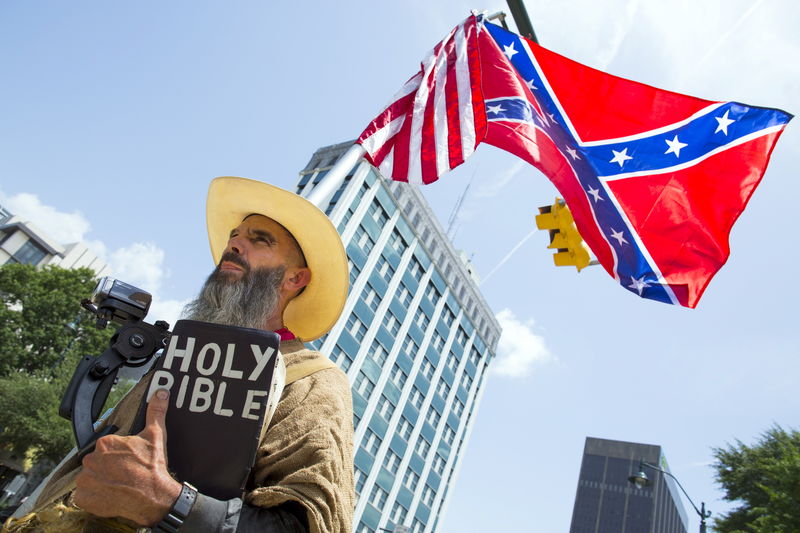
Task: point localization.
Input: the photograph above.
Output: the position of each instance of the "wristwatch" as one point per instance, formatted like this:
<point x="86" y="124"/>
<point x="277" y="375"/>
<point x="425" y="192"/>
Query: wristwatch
<point x="179" y="511"/>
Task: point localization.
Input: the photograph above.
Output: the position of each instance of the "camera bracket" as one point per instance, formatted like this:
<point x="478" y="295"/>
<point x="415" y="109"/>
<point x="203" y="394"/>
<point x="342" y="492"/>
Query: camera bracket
<point x="132" y="345"/>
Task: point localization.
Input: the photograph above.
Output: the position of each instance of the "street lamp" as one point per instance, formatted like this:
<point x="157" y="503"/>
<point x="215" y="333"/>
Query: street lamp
<point x="641" y="480"/>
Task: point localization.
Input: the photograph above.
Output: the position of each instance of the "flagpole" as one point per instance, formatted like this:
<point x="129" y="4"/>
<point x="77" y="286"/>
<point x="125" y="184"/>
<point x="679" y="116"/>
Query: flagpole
<point x="335" y="176"/>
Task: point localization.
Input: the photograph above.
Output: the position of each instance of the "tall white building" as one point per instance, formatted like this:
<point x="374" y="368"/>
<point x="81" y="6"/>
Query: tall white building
<point x="415" y="338"/>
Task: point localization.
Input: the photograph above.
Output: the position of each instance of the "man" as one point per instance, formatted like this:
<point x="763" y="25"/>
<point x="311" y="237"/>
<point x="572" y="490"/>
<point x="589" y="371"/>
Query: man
<point x="280" y="267"/>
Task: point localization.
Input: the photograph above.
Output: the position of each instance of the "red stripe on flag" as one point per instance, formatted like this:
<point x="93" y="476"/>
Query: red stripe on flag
<point x="455" y="153"/>
<point x="427" y="149"/>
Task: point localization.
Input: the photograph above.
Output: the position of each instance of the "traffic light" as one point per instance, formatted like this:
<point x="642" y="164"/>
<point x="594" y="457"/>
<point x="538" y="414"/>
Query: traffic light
<point x="564" y="236"/>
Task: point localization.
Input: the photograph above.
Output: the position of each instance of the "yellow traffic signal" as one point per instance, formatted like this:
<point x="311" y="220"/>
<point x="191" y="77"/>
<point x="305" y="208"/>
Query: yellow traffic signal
<point x="564" y="236"/>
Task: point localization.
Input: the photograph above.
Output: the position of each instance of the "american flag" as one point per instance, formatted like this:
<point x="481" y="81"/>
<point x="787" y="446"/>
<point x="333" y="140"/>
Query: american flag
<point x="654" y="179"/>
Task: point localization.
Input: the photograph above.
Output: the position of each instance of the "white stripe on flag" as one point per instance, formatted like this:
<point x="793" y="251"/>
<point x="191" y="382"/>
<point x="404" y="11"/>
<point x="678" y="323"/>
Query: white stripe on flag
<point x="440" y="112"/>
<point x="387" y="165"/>
<point x="466" y="118"/>
<point x="417" y="118"/>
<point x="381" y="136"/>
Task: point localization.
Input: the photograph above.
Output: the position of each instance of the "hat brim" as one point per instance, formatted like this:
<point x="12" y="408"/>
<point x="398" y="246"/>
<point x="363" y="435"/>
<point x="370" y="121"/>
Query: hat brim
<point x="314" y="312"/>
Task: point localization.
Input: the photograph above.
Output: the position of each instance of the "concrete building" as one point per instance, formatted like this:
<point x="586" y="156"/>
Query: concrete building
<point x="22" y="242"/>
<point x="415" y="338"/>
<point x="606" y="502"/>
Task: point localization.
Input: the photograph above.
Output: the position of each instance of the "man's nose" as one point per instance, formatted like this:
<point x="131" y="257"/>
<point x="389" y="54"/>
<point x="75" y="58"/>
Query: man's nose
<point x="236" y="245"/>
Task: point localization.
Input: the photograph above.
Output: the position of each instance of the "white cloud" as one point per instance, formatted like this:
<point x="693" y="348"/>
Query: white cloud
<point x="168" y="310"/>
<point x="63" y="227"/>
<point x="140" y="264"/>
<point x="519" y="349"/>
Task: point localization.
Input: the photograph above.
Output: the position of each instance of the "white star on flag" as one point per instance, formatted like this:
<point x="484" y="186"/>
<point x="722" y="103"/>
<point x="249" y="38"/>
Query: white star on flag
<point x="620" y="157"/>
<point x="509" y="51"/>
<point x="573" y="153"/>
<point x="596" y="194"/>
<point x="724" y="122"/>
<point x="639" y="284"/>
<point x="552" y="116"/>
<point x="496" y="109"/>
<point x="675" y="146"/>
<point x="530" y="84"/>
<point x="618" y="235"/>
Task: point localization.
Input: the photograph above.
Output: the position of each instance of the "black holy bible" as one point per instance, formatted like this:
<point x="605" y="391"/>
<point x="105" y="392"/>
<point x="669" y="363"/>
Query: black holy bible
<point x="223" y="381"/>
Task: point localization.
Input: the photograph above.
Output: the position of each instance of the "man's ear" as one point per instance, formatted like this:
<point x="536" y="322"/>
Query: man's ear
<point x="297" y="279"/>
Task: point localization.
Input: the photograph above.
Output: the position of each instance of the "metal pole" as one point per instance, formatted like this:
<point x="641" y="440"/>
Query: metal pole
<point x="335" y="176"/>
<point x="522" y="20"/>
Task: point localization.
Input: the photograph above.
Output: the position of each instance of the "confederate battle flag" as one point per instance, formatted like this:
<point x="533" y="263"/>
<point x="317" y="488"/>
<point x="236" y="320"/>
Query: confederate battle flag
<point x="654" y="179"/>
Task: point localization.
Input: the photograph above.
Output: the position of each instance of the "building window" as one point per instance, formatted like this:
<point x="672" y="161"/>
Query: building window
<point x="384" y="268"/>
<point x="438" y="464"/>
<point x="372" y="442"/>
<point x="398" y="513"/>
<point x="421" y="319"/>
<point x="438" y="342"/>
<point x="474" y="356"/>
<point x="449" y="435"/>
<point x="443" y="389"/>
<point x="458" y="407"/>
<point x="385" y="407"/>
<point x="356" y="328"/>
<point x="428" y="495"/>
<point x="371" y="298"/>
<point x="363" y="240"/>
<point x="433" y="294"/>
<point x="391" y="462"/>
<point x="341" y="357"/>
<point x="378" y="214"/>
<point x="364" y="528"/>
<point x="452" y="361"/>
<point x="29" y="253"/>
<point x="411" y="479"/>
<point x="405" y="428"/>
<point x="416" y="269"/>
<point x="410" y="348"/>
<point x="404" y="297"/>
<point x="448" y="317"/>
<point x="433" y="416"/>
<point x="378" y="497"/>
<point x="417" y="526"/>
<point x="423" y="446"/>
<point x="398" y="376"/>
<point x="466" y="381"/>
<point x="390" y="323"/>
<point x="378" y="352"/>
<point x="427" y="368"/>
<point x="354" y="271"/>
<point x="363" y="384"/>
<point x="461" y="337"/>
<point x="397" y="242"/>
<point x="416" y="397"/>
<point x="359" y="477"/>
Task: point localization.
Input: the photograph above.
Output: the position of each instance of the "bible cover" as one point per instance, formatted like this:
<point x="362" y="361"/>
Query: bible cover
<point x="220" y="380"/>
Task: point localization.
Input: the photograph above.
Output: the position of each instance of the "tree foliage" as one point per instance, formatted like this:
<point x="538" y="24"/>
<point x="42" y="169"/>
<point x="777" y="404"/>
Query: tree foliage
<point x="43" y="333"/>
<point x="765" y="479"/>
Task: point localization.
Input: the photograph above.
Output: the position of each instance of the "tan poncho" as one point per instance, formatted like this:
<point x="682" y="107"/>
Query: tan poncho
<point x="306" y="455"/>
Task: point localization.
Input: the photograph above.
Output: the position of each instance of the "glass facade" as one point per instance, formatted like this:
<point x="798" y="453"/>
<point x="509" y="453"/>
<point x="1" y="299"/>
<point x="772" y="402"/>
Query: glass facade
<point x="415" y="347"/>
<point x="606" y="502"/>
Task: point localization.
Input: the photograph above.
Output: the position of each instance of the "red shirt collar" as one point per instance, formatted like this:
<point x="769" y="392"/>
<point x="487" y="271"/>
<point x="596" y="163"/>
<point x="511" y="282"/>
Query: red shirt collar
<point x="285" y="334"/>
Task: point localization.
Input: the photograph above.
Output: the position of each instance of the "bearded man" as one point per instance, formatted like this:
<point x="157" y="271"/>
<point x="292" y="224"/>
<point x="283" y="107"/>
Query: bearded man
<point x="281" y="267"/>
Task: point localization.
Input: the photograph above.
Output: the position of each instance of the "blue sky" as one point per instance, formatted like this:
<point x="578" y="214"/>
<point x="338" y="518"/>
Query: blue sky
<point x="116" y="117"/>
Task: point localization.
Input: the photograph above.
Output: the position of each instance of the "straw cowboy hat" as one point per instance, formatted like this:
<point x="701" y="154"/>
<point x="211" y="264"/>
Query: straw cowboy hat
<point x="314" y="312"/>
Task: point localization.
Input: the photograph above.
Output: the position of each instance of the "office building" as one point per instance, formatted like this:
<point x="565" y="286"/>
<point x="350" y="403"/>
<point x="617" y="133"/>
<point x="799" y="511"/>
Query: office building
<point x="606" y="502"/>
<point x="415" y="338"/>
<point x="22" y="242"/>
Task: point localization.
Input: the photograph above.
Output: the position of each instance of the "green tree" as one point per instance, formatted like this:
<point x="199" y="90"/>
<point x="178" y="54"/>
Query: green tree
<point x="43" y="333"/>
<point x="765" y="479"/>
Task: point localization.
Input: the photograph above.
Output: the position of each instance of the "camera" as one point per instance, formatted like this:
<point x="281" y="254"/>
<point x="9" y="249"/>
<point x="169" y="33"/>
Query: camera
<point x="120" y="302"/>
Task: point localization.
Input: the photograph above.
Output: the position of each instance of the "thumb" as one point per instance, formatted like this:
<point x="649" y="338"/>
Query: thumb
<point x="157" y="414"/>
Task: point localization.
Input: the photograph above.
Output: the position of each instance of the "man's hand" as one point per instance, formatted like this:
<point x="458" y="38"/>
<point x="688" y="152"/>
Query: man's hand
<point x="128" y="476"/>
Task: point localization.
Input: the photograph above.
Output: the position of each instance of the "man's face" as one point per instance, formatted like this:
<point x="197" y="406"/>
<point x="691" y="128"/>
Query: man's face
<point x="256" y="243"/>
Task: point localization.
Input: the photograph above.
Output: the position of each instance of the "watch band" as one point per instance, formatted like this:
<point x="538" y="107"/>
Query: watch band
<point x="179" y="511"/>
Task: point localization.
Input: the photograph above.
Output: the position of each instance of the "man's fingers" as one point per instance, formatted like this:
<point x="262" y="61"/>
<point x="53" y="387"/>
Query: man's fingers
<point x="157" y="413"/>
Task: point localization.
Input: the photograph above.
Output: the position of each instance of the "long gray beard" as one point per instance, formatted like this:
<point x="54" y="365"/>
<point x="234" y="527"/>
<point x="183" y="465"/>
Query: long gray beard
<point x="246" y="302"/>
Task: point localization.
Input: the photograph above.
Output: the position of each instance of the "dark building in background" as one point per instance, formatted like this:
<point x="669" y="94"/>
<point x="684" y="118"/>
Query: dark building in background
<point x="606" y="502"/>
